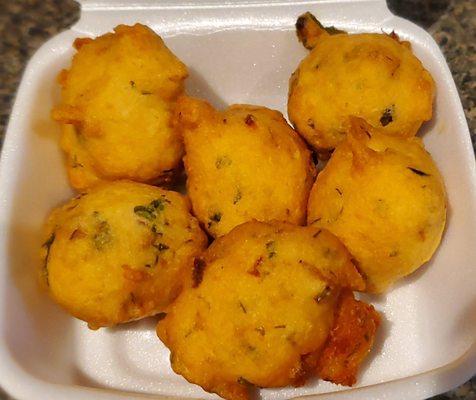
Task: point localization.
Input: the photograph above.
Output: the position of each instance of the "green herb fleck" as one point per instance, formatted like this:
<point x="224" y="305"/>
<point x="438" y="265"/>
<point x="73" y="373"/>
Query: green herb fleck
<point x="145" y="93"/>
<point x="77" y="234"/>
<point x="75" y="163"/>
<point x="280" y="327"/>
<point x="237" y="197"/>
<point x="315" y="220"/>
<point x="149" y="212"/>
<point x="47" y="245"/>
<point x="243" y="308"/>
<point x="271" y="249"/>
<point x="154" y="231"/>
<point x="317" y="234"/>
<point x="103" y="235"/>
<point x="161" y="247"/>
<point x="260" y="330"/>
<point x="223" y="161"/>
<point x="321" y="296"/>
<point x="144" y="212"/>
<point x="243" y="381"/>
<point x="291" y="338"/>
<point x="132" y="83"/>
<point x="158" y="204"/>
<point x="418" y="172"/>
<point x="215" y="218"/>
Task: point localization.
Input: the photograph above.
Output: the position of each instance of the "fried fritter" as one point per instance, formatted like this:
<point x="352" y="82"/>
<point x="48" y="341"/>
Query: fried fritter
<point x="350" y="340"/>
<point x="243" y="163"/>
<point x="384" y="197"/>
<point x="116" y="106"/>
<point x="120" y="252"/>
<point x="260" y="309"/>
<point x="372" y="76"/>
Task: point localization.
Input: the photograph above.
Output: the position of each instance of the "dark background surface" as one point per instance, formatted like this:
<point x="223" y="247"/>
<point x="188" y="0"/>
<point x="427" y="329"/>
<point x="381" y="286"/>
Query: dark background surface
<point x="26" y="24"/>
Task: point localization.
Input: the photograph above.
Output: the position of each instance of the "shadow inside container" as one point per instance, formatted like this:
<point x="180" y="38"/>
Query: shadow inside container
<point x="428" y="126"/>
<point x="39" y="335"/>
<point x="82" y="379"/>
<point x="197" y="86"/>
<point x="463" y="366"/>
<point x="145" y="324"/>
<point x="38" y="331"/>
<point x="383" y="332"/>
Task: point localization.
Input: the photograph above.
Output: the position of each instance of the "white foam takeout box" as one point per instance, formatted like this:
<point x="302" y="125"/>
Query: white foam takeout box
<point x="237" y="52"/>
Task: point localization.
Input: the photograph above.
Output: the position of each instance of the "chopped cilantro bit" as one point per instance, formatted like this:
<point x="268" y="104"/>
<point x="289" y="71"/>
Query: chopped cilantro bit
<point x="215" y="218"/>
<point x="223" y="161"/>
<point x="271" y="248"/>
<point x="260" y="330"/>
<point x="144" y="212"/>
<point x="321" y="296"/>
<point x="418" y="172"/>
<point x="47" y="245"/>
<point x="161" y="246"/>
<point x="237" y="196"/>
<point x="149" y="212"/>
<point x="243" y="381"/>
<point x="103" y="235"/>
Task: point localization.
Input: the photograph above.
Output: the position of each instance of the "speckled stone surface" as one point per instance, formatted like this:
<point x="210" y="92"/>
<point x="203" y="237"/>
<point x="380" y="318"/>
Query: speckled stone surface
<point x="26" y="24"/>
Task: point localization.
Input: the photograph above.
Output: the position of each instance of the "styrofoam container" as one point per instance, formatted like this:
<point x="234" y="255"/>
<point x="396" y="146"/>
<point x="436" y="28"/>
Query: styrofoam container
<point x="237" y="52"/>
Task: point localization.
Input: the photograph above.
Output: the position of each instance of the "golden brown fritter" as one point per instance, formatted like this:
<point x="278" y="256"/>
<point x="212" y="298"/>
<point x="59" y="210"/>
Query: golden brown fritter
<point x="243" y="163"/>
<point x="350" y="340"/>
<point x="260" y="308"/>
<point x="372" y="76"/>
<point x="384" y="197"/>
<point x="120" y="252"/>
<point x="116" y="106"/>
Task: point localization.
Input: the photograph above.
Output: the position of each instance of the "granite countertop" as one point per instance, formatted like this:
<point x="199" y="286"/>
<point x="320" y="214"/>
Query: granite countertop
<point x="26" y="24"/>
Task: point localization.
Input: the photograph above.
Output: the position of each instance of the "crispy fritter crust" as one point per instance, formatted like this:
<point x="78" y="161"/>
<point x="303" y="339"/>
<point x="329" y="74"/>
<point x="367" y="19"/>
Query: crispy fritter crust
<point x="120" y="252"/>
<point x="261" y="302"/>
<point x="372" y="76"/>
<point x="384" y="197"/>
<point x="243" y="163"/>
<point x="116" y="106"/>
<point x="309" y="30"/>
<point x="350" y="340"/>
